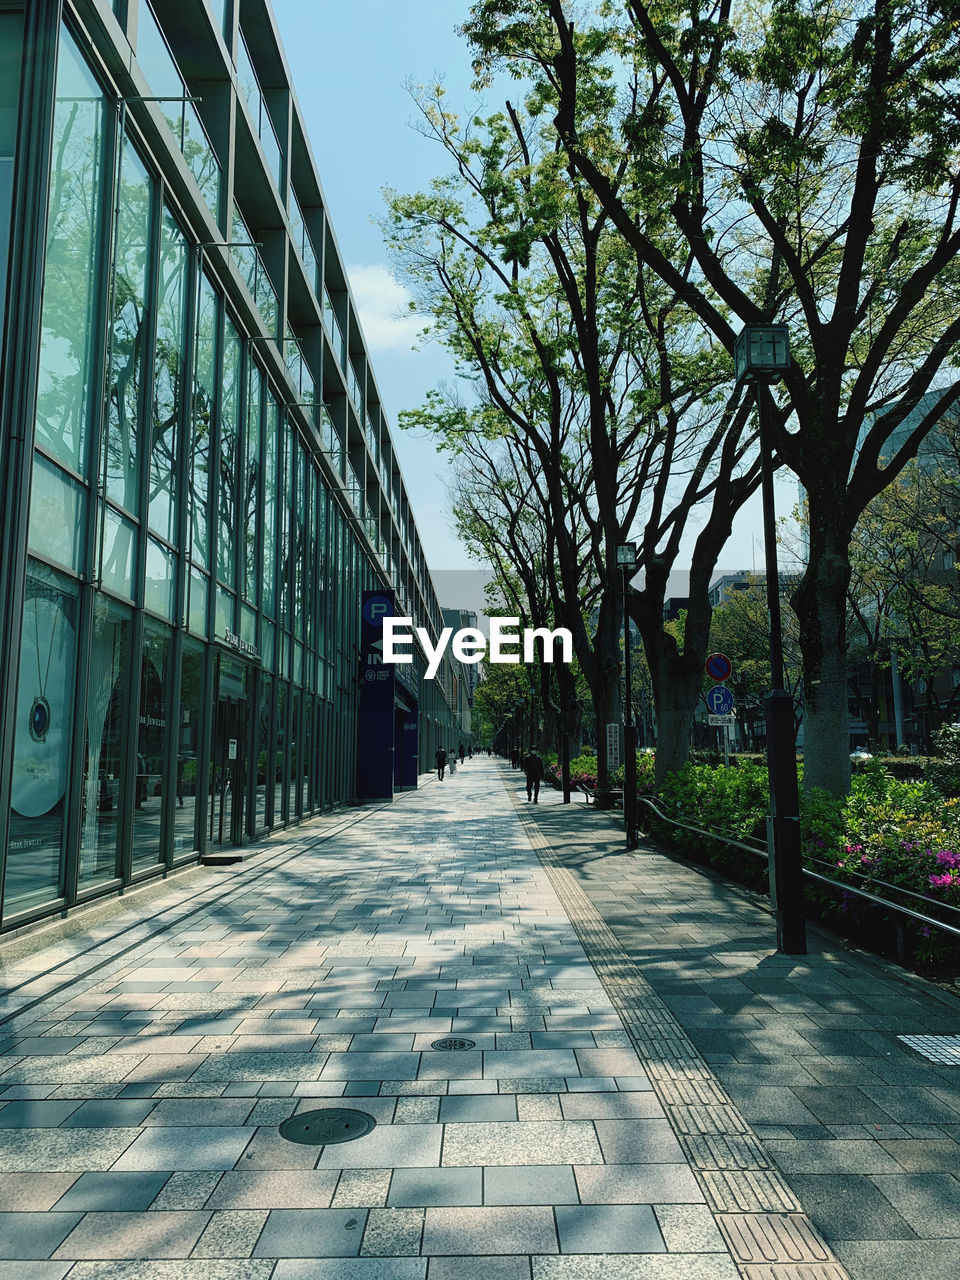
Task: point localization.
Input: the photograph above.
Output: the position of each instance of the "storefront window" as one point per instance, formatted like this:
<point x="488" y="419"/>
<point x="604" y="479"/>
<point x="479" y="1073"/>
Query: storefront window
<point x="204" y="402"/>
<point x="296" y="754"/>
<point x="229" y="444"/>
<point x="168" y="379"/>
<point x="44" y="725"/>
<point x="67" y="351"/>
<point x="250" y="523"/>
<point x="58" y="506"/>
<point x="270" y="446"/>
<point x="129" y="321"/>
<point x="106" y="749"/>
<point x="263" y="806"/>
<point x="152" y="738"/>
<point x="186" y="816"/>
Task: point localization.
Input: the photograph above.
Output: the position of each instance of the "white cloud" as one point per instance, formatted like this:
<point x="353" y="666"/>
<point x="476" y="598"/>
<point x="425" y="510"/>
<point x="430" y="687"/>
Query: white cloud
<point x="382" y="303"/>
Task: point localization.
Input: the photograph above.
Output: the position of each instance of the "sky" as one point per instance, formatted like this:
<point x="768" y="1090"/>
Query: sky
<point x="350" y="65"/>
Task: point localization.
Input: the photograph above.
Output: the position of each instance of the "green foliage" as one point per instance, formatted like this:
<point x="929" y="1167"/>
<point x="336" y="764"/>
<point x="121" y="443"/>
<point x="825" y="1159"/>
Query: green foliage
<point x="944" y="771"/>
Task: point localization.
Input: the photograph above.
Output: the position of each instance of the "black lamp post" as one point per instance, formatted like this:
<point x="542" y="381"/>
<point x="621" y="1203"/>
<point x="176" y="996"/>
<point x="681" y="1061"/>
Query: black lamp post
<point x="627" y="561"/>
<point x="762" y="354"/>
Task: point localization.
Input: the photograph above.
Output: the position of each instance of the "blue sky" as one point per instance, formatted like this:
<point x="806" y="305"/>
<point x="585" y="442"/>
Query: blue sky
<point x="350" y="63"/>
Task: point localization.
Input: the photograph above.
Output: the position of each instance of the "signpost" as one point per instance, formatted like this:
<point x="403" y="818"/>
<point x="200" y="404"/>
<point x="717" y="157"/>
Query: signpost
<point x="720" y="699"/>
<point x="613" y="747"/>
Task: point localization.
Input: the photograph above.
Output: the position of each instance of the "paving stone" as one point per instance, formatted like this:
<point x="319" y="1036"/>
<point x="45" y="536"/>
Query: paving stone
<point x="312" y="1233"/>
<point x="201" y="1269"/>
<point x="832" y="1156"/>
<point x="637" y="1184"/>
<point x="128" y="1191"/>
<point x="895" y="1259"/>
<point x="274" y="1189"/>
<point x="637" y="1142"/>
<point x="351" y="1269"/>
<point x="218" y="1147"/>
<point x="477" y="1231"/>
<point x="608" y="1228"/>
<point x="443" y="1187"/>
<point x="230" y="1233"/>
<point x="27" y="1114"/>
<point x="515" y="1268"/>
<point x="849" y="1207"/>
<point x="194" y="1112"/>
<point x="608" y="1106"/>
<point x="386" y="1147"/>
<point x="34" y="1235"/>
<point x="534" y="1142"/>
<point x="134" y="1235"/>
<point x="393" y="1233"/>
<point x="529" y="1184"/>
<point x="62" y="1150"/>
<point x="927" y="1155"/>
<point x="614" y="1266"/>
<point x="33" y="1270"/>
<point x="927" y="1201"/>
<point x="186" y="1190"/>
<point x="689" y="1229"/>
<point x="35" y="1192"/>
<point x="363" y="1188"/>
<point x="112" y="1113"/>
<point x="481" y="1108"/>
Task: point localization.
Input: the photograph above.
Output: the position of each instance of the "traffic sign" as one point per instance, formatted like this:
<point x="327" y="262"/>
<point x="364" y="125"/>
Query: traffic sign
<point x="719" y="700"/>
<point x="730" y="719"/>
<point x="718" y="666"/>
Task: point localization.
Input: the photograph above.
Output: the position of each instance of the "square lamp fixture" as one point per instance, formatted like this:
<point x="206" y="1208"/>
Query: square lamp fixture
<point x="762" y="351"/>
<point x="626" y="555"/>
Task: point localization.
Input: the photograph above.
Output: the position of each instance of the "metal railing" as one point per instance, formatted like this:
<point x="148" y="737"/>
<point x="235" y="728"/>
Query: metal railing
<point x="761" y="852"/>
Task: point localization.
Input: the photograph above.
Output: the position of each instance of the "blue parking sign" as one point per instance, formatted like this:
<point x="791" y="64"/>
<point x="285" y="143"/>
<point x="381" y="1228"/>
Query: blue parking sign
<point x="720" y="700"/>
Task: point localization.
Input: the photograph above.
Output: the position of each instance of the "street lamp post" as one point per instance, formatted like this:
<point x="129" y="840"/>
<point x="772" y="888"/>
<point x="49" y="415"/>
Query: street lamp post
<point x="627" y="560"/>
<point x="762" y="356"/>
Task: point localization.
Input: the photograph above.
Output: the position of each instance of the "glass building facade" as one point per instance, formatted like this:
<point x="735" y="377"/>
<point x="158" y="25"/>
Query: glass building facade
<point x="198" y="479"/>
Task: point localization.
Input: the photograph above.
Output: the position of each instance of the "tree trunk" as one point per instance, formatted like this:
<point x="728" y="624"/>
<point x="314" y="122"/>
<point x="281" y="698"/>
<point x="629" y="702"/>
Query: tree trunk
<point x="676" y="690"/>
<point x="607" y="699"/>
<point x="820" y="603"/>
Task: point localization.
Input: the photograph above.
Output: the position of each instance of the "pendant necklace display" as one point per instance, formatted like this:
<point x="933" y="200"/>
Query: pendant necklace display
<point x="40" y="710"/>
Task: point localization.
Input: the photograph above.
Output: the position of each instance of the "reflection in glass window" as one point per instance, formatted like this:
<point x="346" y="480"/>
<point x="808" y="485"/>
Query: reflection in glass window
<point x="129" y="323"/>
<point x="67" y="360"/>
<point x="204" y="402"/>
<point x="58" y="506"/>
<point x="151" y="744"/>
<point x="186" y="817"/>
<point x="169" y="390"/>
<point x="11" y="54"/>
<point x="263" y="802"/>
<point x="271" y="445"/>
<point x="229" y="446"/>
<point x="44" y="725"/>
<point x="161" y="579"/>
<point x="250" y="516"/>
<point x="106" y="751"/>
<point x="118" y="538"/>
<point x="199" y="593"/>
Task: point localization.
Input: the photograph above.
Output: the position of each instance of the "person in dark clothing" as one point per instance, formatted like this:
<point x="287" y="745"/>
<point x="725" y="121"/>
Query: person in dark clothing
<point x="533" y="768"/>
<point x="441" y="762"/>
<point x="462" y="753"/>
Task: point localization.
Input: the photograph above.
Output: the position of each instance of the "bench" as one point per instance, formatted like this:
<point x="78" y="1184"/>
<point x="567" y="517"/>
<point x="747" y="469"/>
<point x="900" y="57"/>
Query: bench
<point x="602" y="797"/>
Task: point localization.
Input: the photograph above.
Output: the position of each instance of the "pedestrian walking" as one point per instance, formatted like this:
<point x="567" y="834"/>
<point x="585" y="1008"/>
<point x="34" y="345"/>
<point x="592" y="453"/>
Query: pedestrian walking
<point x="462" y="753"/>
<point x="533" y="768"/>
<point x="441" y="762"/>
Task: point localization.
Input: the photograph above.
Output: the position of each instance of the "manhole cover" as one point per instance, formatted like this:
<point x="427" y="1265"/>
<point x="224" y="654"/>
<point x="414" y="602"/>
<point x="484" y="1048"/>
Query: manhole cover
<point x="453" y="1042"/>
<point x="323" y="1128"/>
<point x="936" y="1048"/>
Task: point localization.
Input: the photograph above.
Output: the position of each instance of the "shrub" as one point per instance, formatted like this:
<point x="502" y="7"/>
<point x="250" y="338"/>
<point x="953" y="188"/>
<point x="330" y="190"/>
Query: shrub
<point x="943" y="771"/>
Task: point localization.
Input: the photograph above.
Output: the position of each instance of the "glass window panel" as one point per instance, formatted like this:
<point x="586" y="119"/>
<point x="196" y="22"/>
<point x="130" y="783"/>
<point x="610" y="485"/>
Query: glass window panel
<point x="204" y="401"/>
<point x="263" y="806"/>
<point x="199" y="589"/>
<point x="293" y="808"/>
<point x="250" y="523"/>
<point x="67" y="351"/>
<point x="58" y="507"/>
<point x="200" y="157"/>
<point x="161" y="579"/>
<point x="248" y="624"/>
<point x="279" y="795"/>
<point x="168" y="379"/>
<point x="105" y="746"/>
<point x="11" y="54"/>
<point x="270" y="447"/>
<point x="243" y="252"/>
<point x="43" y="730"/>
<point x="157" y="62"/>
<point x="129" y="330"/>
<point x="151" y="764"/>
<point x="186" y="819"/>
<point x="229" y="464"/>
<point x="119" y="542"/>
<point x="267" y="644"/>
<point x="226" y="610"/>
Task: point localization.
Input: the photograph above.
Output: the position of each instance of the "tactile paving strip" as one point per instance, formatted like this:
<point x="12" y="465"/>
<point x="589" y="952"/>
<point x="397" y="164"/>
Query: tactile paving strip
<point x="944" y="1049"/>
<point x="735" y="1175"/>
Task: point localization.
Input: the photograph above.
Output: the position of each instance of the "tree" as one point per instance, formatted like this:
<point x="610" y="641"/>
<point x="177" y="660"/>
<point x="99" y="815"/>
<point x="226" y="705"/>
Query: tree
<point x="589" y="366"/>
<point x="806" y="156"/>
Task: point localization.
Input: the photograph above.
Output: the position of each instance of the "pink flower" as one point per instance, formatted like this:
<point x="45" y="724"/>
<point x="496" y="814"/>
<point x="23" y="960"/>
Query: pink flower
<point x="941" y="882"/>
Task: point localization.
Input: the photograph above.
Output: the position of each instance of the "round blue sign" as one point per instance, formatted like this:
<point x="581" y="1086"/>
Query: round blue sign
<point x="376" y="608"/>
<point x="718" y="667"/>
<point x="720" y="700"/>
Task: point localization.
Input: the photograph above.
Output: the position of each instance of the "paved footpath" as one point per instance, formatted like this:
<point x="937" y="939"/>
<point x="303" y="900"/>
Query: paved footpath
<point x="864" y="1130"/>
<point x="147" y="1064"/>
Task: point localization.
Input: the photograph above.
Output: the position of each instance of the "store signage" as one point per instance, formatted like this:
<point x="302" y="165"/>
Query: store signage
<point x="242" y="646"/>
<point x="376" y="726"/>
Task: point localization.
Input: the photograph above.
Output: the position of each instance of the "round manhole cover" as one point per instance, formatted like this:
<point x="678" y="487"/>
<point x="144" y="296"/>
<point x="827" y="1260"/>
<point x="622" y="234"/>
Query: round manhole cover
<point x="454" y="1042"/>
<point x="322" y="1128"/>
